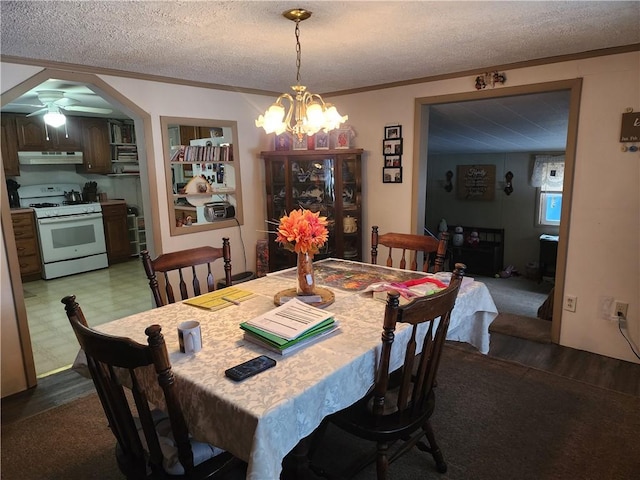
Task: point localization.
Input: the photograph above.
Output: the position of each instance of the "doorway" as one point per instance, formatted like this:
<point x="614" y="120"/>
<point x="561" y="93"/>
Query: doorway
<point x="142" y="125"/>
<point x="421" y="164"/>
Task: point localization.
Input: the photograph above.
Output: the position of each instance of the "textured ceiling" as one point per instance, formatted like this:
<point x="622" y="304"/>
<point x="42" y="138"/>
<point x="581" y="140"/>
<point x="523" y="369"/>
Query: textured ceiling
<point x="345" y="45"/>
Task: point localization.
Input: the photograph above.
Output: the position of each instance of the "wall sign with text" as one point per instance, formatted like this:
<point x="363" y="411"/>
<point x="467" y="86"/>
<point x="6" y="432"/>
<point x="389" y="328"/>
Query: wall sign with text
<point x="630" y="130"/>
<point x="476" y="182"/>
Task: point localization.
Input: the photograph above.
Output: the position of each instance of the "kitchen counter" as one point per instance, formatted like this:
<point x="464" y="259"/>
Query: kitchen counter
<point x="22" y="210"/>
<point x="113" y="202"/>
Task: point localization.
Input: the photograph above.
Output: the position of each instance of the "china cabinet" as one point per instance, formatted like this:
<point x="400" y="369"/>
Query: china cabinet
<point x="325" y="181"/>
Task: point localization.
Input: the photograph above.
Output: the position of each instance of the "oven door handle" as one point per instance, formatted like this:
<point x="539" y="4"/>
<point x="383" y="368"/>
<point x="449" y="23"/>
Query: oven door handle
<point x="69" y="218"/>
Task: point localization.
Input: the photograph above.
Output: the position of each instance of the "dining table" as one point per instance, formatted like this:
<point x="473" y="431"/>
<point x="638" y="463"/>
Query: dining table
<point x="261" y="419"/>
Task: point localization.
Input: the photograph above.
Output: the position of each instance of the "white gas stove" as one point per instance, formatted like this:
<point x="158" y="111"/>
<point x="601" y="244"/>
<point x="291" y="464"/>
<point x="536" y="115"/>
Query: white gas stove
<point x="70" y="232"/>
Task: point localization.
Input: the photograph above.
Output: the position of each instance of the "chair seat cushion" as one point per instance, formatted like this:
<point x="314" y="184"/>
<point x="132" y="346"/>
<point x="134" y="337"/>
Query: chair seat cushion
<point x="171" y="464"/>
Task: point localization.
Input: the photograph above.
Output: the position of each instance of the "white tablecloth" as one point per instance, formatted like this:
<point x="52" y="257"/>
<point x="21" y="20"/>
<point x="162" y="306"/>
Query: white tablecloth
<point x="261" y="419"/>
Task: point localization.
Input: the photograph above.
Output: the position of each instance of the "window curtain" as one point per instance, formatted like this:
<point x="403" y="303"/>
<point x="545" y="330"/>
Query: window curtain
<point x="548" y="172"/>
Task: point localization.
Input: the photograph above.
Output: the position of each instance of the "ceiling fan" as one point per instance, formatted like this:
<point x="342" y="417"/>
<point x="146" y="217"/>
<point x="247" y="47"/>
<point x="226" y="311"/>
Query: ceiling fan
<point x="54" y="100"/>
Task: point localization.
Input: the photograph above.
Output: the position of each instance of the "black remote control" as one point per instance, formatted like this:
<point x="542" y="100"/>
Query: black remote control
<point x="250" y="368"/>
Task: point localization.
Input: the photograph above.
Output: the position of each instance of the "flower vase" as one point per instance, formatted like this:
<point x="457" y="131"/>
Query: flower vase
<point x="306" y="284"/>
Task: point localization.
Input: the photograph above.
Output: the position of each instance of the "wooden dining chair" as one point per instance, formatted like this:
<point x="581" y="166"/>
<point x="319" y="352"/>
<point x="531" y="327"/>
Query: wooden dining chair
<point x="150" y="444"/>
<point x="184" y="263"/>
<point x="434" y="250"/>
<point x="397" y="409"/>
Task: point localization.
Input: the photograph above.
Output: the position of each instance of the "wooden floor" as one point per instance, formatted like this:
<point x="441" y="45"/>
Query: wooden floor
<point x="605" y="372"/>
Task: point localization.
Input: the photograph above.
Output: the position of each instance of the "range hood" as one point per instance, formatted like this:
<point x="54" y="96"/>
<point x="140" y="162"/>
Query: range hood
<point x="50" y="158"/>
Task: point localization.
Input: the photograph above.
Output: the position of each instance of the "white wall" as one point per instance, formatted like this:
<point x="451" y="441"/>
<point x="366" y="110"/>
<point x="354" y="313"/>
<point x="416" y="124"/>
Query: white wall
<point x="604" y="241"/>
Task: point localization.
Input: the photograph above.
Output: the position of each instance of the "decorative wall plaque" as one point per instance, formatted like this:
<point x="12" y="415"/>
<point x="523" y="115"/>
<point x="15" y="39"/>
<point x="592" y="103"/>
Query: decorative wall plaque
<point x="630" y="130"/>
<point x="476" y="182"/>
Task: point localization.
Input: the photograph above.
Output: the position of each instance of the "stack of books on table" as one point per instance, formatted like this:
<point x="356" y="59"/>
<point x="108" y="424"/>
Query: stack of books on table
<point x="290" y="327"/>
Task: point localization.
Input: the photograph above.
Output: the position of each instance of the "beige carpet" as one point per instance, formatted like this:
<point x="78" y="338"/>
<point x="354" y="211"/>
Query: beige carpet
<point x="520" y="326"/>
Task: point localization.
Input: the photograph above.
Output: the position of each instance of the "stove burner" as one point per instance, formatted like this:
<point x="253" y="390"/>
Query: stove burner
<point x="43" y="205"/>
<point x="79" y="202"/>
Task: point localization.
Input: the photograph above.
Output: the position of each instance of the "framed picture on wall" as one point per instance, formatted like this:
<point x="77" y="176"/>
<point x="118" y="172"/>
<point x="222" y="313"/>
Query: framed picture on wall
<point x="393" y="131"/>
<point x="392" y="161"/>
<point x="392" y="146"/>
<point x="392" y="175"/>
<point x="476" y="182"/>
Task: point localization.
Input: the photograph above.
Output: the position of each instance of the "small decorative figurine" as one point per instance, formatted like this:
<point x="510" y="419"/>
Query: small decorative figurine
<point x="458" y="237"/>
<point x="473" y="240"/>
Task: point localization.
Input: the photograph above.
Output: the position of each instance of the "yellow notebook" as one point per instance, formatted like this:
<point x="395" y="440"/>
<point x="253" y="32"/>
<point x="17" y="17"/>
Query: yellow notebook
<point x="225" y="297"/>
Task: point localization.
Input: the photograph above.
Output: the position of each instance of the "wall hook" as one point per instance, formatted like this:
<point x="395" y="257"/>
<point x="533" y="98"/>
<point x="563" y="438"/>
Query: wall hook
<point x="508" y="186"/>
<point x="448" y="186"/>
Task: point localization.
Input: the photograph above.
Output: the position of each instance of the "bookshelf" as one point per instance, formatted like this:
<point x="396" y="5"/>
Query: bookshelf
<point x="137" y="234"/>
<point x="124" y="151"/>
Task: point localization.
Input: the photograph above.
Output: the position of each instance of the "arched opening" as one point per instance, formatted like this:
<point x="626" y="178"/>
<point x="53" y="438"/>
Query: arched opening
<point x="147" y="182"/>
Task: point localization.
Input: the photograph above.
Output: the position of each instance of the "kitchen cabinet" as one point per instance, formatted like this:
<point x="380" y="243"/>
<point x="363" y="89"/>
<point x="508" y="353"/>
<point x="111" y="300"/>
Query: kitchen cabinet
<point x="325" y="181"/>
<point x="190" y="132"/>
<point x="116" y="231"/>
<point x="9" y="145"/>
<point x="24" y="231"/>
<point x="96" y="157"/>
<point x="33" y="135"/>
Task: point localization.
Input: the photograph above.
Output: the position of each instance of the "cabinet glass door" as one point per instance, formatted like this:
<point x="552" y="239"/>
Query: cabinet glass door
<point x="351" y="210"/>
<point x="314" y="189"/>
<point x="326" y="182"/>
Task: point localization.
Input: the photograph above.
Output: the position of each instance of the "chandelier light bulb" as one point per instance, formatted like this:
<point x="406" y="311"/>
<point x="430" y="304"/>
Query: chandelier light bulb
<point x="307" y="113"/>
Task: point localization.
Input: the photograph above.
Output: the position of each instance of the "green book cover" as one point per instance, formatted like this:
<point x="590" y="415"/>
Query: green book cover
<point x="282" y="343"/>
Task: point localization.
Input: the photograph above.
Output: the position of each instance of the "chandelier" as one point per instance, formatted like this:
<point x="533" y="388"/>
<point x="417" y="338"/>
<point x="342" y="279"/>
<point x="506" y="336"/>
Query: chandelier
<point x="308" y="113"/>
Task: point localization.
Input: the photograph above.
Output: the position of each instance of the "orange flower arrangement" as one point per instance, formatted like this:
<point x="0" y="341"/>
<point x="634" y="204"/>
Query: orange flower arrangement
<point x="303" y="231"/>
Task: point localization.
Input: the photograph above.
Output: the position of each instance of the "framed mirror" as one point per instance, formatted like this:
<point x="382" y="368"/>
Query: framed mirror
<point x="203" y="174"/>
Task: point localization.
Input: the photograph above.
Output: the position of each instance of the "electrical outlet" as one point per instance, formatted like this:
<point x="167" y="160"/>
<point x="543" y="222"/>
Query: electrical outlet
<point x="620" y="309"/>
<point x="570" y="302"/>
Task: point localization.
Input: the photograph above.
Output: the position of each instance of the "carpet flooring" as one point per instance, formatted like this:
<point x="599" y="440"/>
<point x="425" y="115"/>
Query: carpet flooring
<point x="495" y="420"/>
<point x="517" y="295"/>
<point x="520" y="326"/>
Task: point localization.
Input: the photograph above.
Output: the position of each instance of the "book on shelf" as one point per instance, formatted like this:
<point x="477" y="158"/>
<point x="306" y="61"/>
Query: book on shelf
<point x="293" y="345"/>
<point x="122" y="132"/>
<point x="203" y="153"/>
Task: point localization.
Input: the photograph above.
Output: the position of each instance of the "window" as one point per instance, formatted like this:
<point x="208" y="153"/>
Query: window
<point x="548" y="175"/>
<point x="550" y="206"/>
